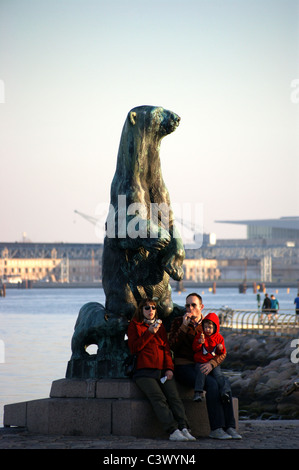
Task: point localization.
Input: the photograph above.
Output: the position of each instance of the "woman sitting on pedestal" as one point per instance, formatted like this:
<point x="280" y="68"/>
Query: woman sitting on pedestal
<point x="147" y="338"/>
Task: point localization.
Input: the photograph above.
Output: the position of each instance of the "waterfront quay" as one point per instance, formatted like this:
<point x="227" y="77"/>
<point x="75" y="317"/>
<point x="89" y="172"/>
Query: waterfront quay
<point x="226" y="262"/>
<point x="212" y="285"/>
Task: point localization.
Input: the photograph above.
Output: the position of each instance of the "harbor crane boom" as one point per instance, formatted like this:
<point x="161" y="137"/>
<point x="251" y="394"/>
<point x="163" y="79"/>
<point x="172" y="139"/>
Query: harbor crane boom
<point x="90" y="219"/>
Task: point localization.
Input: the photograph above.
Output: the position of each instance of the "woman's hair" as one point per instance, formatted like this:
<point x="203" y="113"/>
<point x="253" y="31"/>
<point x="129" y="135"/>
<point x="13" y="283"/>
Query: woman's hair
<point x="139" y="312"/>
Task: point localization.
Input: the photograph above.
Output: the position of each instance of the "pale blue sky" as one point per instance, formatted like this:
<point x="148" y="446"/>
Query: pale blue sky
<point x="72" y="70"/>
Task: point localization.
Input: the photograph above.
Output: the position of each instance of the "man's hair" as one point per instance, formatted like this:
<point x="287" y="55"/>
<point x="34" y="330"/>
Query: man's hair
<point x="196" y="295"/>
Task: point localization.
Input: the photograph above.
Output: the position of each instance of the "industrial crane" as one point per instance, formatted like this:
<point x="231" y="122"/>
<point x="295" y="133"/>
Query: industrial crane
<point x="90" y="219"/>
<point x="97" y="222"/>
<point x="195" y="231"/>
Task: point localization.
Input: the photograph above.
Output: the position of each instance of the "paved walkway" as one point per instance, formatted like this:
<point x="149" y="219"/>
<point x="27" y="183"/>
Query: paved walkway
<point x="256" y="435"/>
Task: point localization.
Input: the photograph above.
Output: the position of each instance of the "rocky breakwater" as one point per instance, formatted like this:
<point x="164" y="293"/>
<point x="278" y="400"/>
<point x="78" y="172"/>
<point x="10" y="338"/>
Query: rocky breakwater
<point x="268" y="369"/>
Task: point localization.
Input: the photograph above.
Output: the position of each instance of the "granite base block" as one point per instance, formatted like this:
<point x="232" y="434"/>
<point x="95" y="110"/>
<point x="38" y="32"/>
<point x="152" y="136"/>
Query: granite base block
<point x="101" y="407"/>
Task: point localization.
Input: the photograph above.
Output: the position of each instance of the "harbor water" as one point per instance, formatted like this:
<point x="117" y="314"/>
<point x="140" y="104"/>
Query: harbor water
<point x="36" y="327"/>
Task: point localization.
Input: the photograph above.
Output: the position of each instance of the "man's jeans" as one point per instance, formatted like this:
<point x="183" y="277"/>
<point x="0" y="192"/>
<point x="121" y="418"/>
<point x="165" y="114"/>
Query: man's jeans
<point x="221" y="415"/>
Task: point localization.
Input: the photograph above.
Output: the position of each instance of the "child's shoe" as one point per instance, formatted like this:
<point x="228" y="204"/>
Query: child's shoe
<point x="198" y="396"/>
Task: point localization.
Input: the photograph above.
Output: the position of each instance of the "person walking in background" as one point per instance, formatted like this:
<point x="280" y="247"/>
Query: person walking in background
<point x="258" y="298"/>
<point x="274" y="306"/>
<point x="296" y="302"/>
<point x="147" y="338"/>
<point x="266" y="307"/>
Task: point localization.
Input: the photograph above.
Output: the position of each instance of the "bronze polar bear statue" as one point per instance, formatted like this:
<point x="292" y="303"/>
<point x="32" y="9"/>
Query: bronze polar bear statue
<point x="95" y="325"/>
<point x="142" y="247"/>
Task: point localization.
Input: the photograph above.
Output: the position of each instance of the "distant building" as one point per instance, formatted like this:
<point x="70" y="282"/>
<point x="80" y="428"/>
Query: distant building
<point x="18" y="269"/>
<point x="199" y="270"/>
<point x="50" y="262"/>
<point x="285" y="228"/>
<point x="256" y="259"/>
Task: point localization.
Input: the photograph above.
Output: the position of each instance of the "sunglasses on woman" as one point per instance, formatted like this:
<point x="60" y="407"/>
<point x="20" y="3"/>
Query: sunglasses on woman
<point x="148" y="307"/>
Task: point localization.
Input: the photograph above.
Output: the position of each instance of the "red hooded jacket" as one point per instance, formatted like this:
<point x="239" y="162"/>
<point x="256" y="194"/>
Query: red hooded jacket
<point x="206" y="351"/>
<point x="152" y="350"/>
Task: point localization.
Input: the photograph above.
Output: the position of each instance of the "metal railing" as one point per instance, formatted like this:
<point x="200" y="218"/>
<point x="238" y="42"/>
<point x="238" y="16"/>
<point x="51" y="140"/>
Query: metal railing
<point x="257" y="321"/>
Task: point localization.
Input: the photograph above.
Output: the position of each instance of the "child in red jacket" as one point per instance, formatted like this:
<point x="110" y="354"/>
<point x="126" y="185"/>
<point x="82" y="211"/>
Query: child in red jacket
<point x="207" y="345"/>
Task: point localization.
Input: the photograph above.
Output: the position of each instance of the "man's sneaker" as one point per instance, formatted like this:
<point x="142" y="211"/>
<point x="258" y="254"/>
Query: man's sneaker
<point x="177" y="435"/>
<point x="188" y="435"/>
<point x="232" y="432"/>
<point x="198" y="396"/>
<point x="219" y="434"/>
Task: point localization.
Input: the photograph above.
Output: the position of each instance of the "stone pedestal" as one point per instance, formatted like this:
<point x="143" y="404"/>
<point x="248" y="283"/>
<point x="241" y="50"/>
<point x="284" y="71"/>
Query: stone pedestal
<point x="101" y="407"/>
<point x="93" y="368"/>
